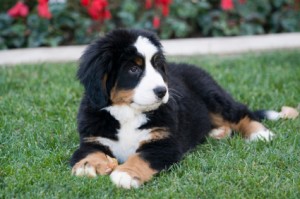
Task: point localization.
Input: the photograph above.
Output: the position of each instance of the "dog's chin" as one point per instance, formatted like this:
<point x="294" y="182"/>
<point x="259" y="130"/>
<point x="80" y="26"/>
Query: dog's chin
<point x="146" y="107"/>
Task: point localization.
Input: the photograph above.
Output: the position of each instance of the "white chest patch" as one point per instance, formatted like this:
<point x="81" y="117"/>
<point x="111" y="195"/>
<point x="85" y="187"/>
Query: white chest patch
<point x="129" y="136"/>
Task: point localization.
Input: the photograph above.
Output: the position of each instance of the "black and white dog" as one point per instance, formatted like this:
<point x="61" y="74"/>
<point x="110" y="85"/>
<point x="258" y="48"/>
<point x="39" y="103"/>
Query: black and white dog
<point x="146" y="112"/>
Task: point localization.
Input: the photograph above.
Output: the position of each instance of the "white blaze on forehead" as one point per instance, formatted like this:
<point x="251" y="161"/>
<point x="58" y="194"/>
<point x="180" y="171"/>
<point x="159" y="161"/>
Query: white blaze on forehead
<point x="145" y="47"/>
<point x="143" y="93"/>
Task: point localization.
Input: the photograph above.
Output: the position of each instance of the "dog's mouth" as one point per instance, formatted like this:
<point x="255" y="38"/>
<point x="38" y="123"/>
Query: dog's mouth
<point x="147" y="107"/>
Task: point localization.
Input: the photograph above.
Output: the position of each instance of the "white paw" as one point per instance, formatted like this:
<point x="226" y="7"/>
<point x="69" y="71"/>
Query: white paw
<point x="220" y="133"/>
<point x="124" y="180"/>
<point x="84" y="170"/>
<point x="264" y="135"/>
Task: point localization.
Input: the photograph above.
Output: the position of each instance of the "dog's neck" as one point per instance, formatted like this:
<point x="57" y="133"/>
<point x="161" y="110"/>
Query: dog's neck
<point x="125" y="113"/>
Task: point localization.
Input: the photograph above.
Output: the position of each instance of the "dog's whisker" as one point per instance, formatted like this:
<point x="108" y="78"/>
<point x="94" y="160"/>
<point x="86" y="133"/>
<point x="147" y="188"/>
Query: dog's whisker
<point x="174" y="92"/>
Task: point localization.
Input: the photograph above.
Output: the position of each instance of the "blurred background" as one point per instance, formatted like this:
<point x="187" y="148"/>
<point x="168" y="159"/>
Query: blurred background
<point x="34" y="23"/>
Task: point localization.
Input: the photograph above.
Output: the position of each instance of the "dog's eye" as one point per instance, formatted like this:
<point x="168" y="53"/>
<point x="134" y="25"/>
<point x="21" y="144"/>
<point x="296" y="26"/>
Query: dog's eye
<point x="158" y="62"/>
<point x="134" y="70"/>
<point x="160" y="65"/>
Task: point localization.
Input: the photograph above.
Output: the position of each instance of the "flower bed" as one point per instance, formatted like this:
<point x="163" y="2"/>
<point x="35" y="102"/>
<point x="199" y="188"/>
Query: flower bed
<point x="33" y="23"/>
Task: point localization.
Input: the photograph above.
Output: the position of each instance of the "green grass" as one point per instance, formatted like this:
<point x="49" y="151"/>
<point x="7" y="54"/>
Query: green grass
<point x="38" y="106"/>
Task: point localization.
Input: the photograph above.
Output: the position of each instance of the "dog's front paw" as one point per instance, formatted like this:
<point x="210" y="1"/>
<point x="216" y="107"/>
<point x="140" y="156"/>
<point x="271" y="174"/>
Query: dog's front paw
<point x="125" y="179"/>
<point x="94" y="164"/>
<point x="133" y="173"/>
<point x="264" y="135"/>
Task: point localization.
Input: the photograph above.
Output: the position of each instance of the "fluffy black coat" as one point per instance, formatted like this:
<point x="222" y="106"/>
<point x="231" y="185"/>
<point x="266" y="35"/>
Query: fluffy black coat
<point x="194" y="96"/>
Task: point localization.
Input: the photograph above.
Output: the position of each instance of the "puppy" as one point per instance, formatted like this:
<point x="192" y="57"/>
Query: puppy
<point x="148" y="113"/>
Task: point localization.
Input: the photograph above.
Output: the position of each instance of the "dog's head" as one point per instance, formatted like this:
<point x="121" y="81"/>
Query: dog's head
<point x="125" y="67"/>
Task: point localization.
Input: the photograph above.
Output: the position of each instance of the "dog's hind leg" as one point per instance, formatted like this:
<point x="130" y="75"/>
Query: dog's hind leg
<point x="227" y="114"/>
<point x="224" y="111"/>
<point x="248" y="127"/>
<point x="220" y="132"/>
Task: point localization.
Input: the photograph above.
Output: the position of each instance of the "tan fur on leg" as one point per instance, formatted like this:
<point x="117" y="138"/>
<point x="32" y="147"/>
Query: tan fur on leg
<point x="133" y="173"/>
<point x="246" y="127"/>
<point x="93" y="164"/>
<point x="250" y="130"/>
<point x="220" y="132"/>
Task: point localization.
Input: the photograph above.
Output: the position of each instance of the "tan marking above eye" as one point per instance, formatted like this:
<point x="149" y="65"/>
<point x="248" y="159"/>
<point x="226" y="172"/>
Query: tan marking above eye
<point x="138" y="61"/>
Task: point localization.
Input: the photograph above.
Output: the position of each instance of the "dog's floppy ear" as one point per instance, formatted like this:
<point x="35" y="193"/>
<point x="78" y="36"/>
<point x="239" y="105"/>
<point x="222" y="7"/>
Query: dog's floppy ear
<point x="95" y="64"/>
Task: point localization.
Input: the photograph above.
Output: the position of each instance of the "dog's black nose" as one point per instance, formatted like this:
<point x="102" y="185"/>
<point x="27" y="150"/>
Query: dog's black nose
<point x="160" y="91"/>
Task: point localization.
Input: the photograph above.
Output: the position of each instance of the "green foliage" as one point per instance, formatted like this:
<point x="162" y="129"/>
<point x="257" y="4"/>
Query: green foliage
<point x="71" y="24"/>
<point x="38" y="106"/>
<point x="65" y="27"/>
<point x="252" y="17"/>
<point x="12" y="34"/>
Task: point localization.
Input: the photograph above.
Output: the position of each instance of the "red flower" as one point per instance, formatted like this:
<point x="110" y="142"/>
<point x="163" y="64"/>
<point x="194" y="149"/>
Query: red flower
<point x="164" y="4"/>
<point x="165" y="10"/>
<point x="297" y="4"/>
<point x="43" y="9"/>
<point x="156" y="22"/>
<point x="227" y="4"/>
<point x="148" y="4"/>
<point x="19" y="10"/>
<point x="84" y="2"/>
<point x="98" y="10"/>
<point x="107" y="14"/>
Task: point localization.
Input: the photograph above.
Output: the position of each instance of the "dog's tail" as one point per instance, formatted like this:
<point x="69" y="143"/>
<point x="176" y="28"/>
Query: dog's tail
<point x="285" y="113"/>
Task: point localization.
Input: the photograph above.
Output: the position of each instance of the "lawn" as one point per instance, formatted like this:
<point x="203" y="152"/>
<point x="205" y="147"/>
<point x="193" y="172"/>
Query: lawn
<point x="38" y="107"/>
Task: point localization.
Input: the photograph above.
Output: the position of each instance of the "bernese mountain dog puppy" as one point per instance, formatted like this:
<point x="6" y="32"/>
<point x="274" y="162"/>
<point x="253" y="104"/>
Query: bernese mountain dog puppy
<point x="147" y="113"/>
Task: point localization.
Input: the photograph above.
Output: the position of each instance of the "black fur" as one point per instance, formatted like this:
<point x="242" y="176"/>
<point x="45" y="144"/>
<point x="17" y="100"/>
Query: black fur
<point x="193" y="96"/>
